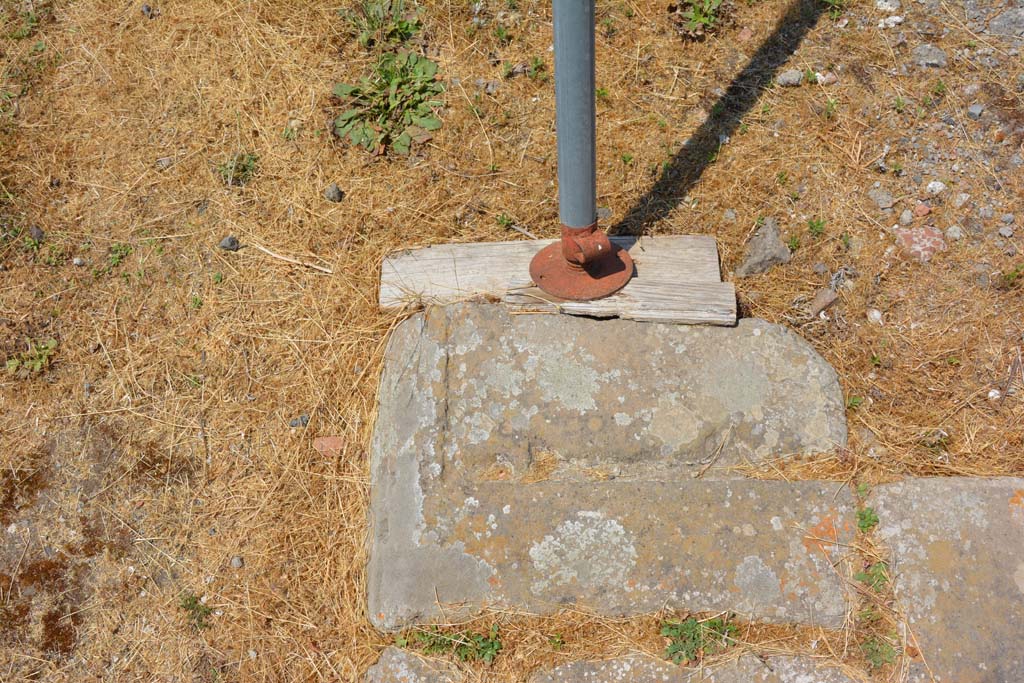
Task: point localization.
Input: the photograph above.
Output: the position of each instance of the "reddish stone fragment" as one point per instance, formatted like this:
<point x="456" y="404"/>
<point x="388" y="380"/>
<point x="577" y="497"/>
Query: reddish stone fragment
<point x="920" y="243"/>
<point x="329" y="446"/>
<point x="922" y="210"/>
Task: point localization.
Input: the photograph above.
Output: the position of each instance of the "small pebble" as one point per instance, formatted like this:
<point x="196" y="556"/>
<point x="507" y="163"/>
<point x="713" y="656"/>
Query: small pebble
<point x="300" y="421"/>
<point x="790" y="78"/>
<point x="237" y="562"/>
<point x="960" y="200"/>
<point x="995" y="395"/>
<point x="975" y="111"/>
<point x="922" y="210"/>
<point x="874" y="316"/>
<point x="78" y="261"/>
<point x="954" y="233"/>
<point x="164" y="163"/>
<point x="820" y="269"/>
<point x="729" y="216"/>
<point x="986" y="212"/>
<point x="935" y="187"/>
<point x="1008" y="218"/>
<point x="907" y="217"/>
<point x="333" y="193"/>
<point x="230" y="243"/>
<point x="1006" y="231"/>
<point x="36" y="233"/>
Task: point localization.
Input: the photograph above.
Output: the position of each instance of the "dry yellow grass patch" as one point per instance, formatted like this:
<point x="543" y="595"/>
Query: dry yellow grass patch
<point x="180" y="366"/>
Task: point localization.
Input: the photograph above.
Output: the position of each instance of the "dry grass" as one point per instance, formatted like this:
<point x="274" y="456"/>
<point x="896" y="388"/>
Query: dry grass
<point x="177" y="374"/>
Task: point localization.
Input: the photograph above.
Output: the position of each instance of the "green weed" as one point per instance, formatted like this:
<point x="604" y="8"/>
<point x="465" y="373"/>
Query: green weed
<point x="816" y="226"/>
<point x="601" y="94"/>
<point x="1012" y="278"/>
<point x="537" y="70"/>
<point x="867" y="519"/>
<point x="878" y="652"/>
<point x="382" y="22"/>
<point x="899" y="104"/>
<point x="793" y="243"/>
<point x="690" y="640"/>
<point x="835" y="7"/>
<point x="34" y="360"/>
<point x="394" y="107"/>
<point x="239" y="169"/>
<point x="700" y="15"/>
<point x="29" y="24"/>
<point x="466" y="646"/>
<point x="876" y="576"/>
<point x="118" y="253"/>
<point x="854" y="402"/>
<point x="502" y="34"/>
<point x="196" y="611"/>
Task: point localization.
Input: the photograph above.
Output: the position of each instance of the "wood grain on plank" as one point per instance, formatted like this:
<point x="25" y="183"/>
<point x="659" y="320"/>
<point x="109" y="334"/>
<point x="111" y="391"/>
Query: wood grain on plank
<point x="677" y="279"/>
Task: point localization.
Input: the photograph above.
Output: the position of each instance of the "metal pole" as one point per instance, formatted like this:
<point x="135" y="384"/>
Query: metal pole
<point x="575" y="112"/>
<point x="585" y="265"/>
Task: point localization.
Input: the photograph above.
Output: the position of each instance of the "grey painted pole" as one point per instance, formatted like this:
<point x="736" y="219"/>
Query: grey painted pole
<point x="575" y="112"/>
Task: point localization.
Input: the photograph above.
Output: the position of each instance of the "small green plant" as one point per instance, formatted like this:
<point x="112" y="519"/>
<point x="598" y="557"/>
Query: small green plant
<point x="878" y="652"/>
<point x="382" y="22"/>
<point x="1012" y="278"/>
<point x="816" y="226"/>
<point x="876" y="360"/>
<point x="239" y="169"/>
<point x="831" y="104"/>
<point x="218" y="278"/>
<point x="868" y="615"/>
<point x="467" y="646"/>
<point x="504" y="220"/>
<point x="627" y="159"/>
<point x="782" y="177"/>
<point x="608" y="24"/>
<point x="899" y="104"/>
<point x="196" y="612"/>
<point x="394" y="107"/>
<point x="537" y="70"/>
<point x="867" y="519"/>
<point x="793" y="242"/>
<point x="29" y="24"/>
<point x="35" y="359"/>
<point x="196" y="302"/>
<point x="863" y="489"/>
<point x="854" y="402"/>
<point x="835" y="7"/>
<point x="557" y="642"/>
<point x="502" y="34"/>
<point x="810" y="76"/>
<point x="939" y="89"/>
<point x="289" y="133"/>
<point x="601" y="94"/>
<point x="118" y="253"/>
<point x="875" y="577"/>
<point x="700" y="15"/>
<point x="690" y="640"/>
<point x="953" y="361"/>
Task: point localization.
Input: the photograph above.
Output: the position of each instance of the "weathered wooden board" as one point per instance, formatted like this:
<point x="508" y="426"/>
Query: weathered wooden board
<point x="677" y="280"/>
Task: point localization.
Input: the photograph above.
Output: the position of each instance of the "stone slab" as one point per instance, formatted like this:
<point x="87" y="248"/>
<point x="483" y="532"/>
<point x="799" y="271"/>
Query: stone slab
<point x="401" y="666"/>
<point x="957" y="557"/>
<point x="537" y="462"/>
<point x="746" y="669"/>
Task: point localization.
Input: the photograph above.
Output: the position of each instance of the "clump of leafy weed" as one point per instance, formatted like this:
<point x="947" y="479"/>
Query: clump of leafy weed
<point x="695" y="18"/>
<point x="118" y="253"/>
<point x="239" y="169"/>
<point x="34" y="360"/>
<point x="875" y="576"/>
<point x="816" y="226"/>
<point x="690" y="640"/>
<point x="196" y="612"/>
<point x="29" y="24"/>
<point x="835" y="7"/>
<point x="1012" y="277"/>
<point x="467" y="645"/>
<point x="394" y="106"/>
<point x="382" y="22"/>
<point x="878" y="652"/>
<point x="867" y="519"/>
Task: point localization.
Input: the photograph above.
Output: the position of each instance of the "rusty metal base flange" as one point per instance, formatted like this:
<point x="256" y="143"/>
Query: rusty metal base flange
<point x="558" y="277"/>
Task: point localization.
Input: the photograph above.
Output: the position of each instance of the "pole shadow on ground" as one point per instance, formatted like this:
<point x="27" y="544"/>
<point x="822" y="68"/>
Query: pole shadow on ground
<point x="689" y="162"/>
